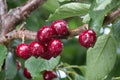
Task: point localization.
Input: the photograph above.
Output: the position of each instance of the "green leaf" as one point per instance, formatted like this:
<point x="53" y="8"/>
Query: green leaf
<point x="51" y="5"/>
<point x="10" y="66"/>
<point x="98" y="10"/>
<point x="69" y="10"/>
<point x="35" y="66"/>
<point x="2" y="75"/>
<point x="116" y="30"/>
<point x="40" y="77"/>
<point x="79" y="77"/>
<point x="83" y="69"/>
<point x="74" y="22"/>
<point x="86" y="18"/>
<point x="101" y="58"/>
<point x="3" y="52"/>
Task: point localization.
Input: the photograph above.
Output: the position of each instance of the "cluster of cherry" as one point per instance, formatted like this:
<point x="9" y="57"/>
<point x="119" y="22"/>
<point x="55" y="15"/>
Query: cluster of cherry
<point x="46" y="45"/>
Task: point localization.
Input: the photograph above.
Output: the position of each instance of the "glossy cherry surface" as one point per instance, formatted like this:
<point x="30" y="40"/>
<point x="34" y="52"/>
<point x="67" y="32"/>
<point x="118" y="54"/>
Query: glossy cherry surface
<point x="36" y="48"/>
<point x="45" y="33"/>
<point x="27" y="73"/>
<point x="60" y="26"/>
<point x="87" y="38"/>
<point x="22" y="51"/>
<point x="49" y="75"/>
<point x="55" y="47"/>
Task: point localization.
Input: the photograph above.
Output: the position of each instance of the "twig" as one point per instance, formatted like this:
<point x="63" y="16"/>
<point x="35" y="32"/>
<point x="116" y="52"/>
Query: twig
<point x="32" y="35"/>
<point x="112" y="16"/>
<point x="19" y="14"/>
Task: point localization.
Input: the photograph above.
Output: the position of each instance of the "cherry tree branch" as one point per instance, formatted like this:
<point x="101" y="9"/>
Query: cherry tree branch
<point x="15" y="34"/>
<point x="3" y="10"/>
<point x="3" y="7"/>
<point x="19" y="14"/>
<point x="112" y="16"/>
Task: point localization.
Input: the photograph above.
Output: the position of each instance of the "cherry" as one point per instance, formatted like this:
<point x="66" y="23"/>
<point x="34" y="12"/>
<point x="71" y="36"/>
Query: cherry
<point x="18" y="64"/>
<point x="22" y="51"/>
<point x="46" y="55"/>
<point x="60" y="26"/>
<point x="49" y="75"/>
<point x="45" y="34"/>
<point x="36" y="48"/>
<point x="55" y="47"/>
<point x="27" y="73"/>
<point x="87" y="38"/>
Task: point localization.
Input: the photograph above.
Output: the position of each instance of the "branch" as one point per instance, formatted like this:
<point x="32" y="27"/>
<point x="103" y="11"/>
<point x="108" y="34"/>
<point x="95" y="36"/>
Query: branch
<point x="19" y="14"/>
<point x="112" y="16"/>
<point x="15" y="34"/>
<point x="3" y="10"/>
<point x="3" y="7"/>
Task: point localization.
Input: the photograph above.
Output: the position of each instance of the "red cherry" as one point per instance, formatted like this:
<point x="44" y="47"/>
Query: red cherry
<point x="87" y="38"/>
<point x="22" y="51"/>
<point x="46" y="56"/>
<point x="60" y="26"/>
<point x="36" y="48"/>
<point x="49" y="75"/>
<point x="45" y="34"/>
<point x="55" y="47"/>
<point x="18" y="64"/>
<point x="27" y="73"/>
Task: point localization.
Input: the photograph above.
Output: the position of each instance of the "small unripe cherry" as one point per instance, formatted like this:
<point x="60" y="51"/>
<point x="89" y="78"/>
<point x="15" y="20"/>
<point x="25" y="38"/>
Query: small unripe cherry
<point x="22" y="51"/>
<point x="49" y="75"/>
<point x="87" y="38"/>
<point x="36" y="48"/>
<point x="60" y="26"/>
<point x="27" y="73"/>
<point x="45" y="33"/>
<point x="55" y="47"/>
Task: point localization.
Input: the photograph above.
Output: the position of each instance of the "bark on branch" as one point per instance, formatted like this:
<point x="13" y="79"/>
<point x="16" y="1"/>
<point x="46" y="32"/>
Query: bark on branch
<point x="19" y="14"/>
<point x="3" y="10"/>
<point x="112" y="16"/>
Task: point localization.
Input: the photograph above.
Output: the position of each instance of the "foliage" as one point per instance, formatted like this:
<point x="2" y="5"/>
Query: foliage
<point x="100" y="62"/>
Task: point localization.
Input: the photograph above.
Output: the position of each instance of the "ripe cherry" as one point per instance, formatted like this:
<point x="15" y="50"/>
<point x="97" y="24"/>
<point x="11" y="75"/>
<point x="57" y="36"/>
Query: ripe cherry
<point x="18" y="64"/>
<point x="36" y="48"/>
<point x="22" y="51"/>
<point x="27" y="73"/>
<point x="45" y="34"/>
<point x="60" y="26"/>
<point x="46" y="55"/>
<point x="87" y="38"/>
<point x="49" y="75"/>
<point x="55" y="47"/>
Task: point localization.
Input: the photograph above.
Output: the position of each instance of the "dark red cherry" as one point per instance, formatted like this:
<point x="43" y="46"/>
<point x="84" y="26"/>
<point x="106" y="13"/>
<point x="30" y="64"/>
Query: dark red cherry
<point x="45" y="34"/>
<point x="27" y="73"/>
<point x="22" y="51"/>
<point x="36" y="48"/>
<point x="46" y="55"/>
<point x="55" y="47"/>
<point x="87" y="38"/>
<point x="18" y="64"/>
<point x="49" y="75"/>
<point x="60" y="26"/>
